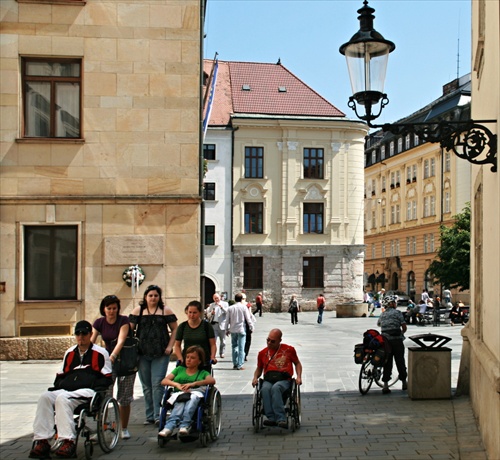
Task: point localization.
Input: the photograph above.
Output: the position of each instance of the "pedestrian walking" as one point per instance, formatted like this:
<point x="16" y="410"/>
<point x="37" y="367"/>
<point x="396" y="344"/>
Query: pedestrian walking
<point x="293" y="309"/>
<point x="258" y="304"/>
<point x="237" y="317"/>
<point x="320" y="304"/>
<point x="216" y="316"/>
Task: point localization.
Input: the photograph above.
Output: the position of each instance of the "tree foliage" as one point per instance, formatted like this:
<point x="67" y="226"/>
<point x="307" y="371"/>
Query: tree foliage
<point x="451" y="268"/>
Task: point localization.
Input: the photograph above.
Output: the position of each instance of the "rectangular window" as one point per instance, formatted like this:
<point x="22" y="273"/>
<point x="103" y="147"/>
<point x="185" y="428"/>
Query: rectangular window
<point x="313" y="272"/>
<point x="52" y="95"/>
<point x="374" y="157"/>
<point x="426" y="169"/>
<point x="253" y="273"/>
<point x="414" y="245"/>
<point x="209" y="235"/>
<point x="374" y="187"/>
<point x="383" y="183"/>
<point x="416" y="140"/>
<point x="447" y="202"/>
<point x="408" y="210"/>
<point x="431" y="242"/>
<point x="254" y="217"/>
<point x="382" y="152"/>
<point x="432" y="206"/>
<point x="408" y="246"/>
<point x="408" y="174"/>
<point x="313" y="163"/>
<point x="209" y="191"/>
<point x="407" y="142"/>
<point x="391" y="149"/>
<point x="447" y="162"/>
<point x="254" y="162"/>
<point x="374" y="251"/>
<point x="414" y="215"/>
<point x="209" y="151"/>
<point x="383" y="219"/>
<point x="426" y="206"/>
<point x="426" y="248"/>
<point x="400" y="145"/>
<point x="433" y="167"/>
<point x="50" y="262"/>
<point x="374" y="220"/>
<point x="313" y="217"/>
<point x="383" y="249"/>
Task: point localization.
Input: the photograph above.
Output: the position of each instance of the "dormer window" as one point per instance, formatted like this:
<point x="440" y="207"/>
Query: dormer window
<point x="245" y="88"/>
<point x="282" y="89"/>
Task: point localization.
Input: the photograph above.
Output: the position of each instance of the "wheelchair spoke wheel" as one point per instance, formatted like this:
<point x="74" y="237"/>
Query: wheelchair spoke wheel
<point x="366" y="376"/>
<point x="297" y="407"/>
<point x="257" y="411"/>
<point x="214" y="414"/>
<point x="203" y="439"/>
<point x="108" y="424"/>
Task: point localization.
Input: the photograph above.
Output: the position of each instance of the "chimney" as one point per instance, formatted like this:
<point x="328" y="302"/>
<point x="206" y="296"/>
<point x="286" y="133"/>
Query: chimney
<point x="450" y="87"/>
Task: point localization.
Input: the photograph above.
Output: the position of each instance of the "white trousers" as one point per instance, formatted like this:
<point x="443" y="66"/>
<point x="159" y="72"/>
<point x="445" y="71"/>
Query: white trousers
<point x="55" y="408"/>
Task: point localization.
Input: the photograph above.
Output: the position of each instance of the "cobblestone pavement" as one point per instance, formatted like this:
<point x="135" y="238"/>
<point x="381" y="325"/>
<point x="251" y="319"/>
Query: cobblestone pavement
<point x="337" y="422"/>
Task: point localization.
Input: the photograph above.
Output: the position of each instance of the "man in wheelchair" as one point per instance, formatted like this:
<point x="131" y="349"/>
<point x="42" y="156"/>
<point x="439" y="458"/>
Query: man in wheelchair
<point x="86" y="368"/>
<point x="276" y="362"/>
<point x="188" y="382"/>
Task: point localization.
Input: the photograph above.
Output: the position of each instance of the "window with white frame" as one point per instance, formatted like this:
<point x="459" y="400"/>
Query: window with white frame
<point x="414" y="245"/>
<point x="383" y="249"/>
<point x="408" y="210"/>
<point x="408" y="174"/>
<point x="374" y="157"/>
<point x="393" y="250"/>
<point x="447" y="202"/>
<point x="374" y="252"/>
<point x="447" y="162"/>
<point x="400" y="145"/>
<point x="432" y="171"/>
<point x="374" y="220"/>
<point x="426" y="206"/>
<point x="391" y="148"/>
<point x="383" y="183"/>
<point x="414" y="213"/>
<point x="407" y="141"/>
<point x="374" y="187"/>
<point x="416" y="140"/>
<point x="426" y="244"/>
<point x="383" y="218"/>
<point x="426" y="169"/>
<point x="431" y="242"/>
<point x="382" y="152"/>
<point x="432" y="205"/>
<point x="393" y="179"/>
<point x="398" y="178"/>
<point x="408" y="246"/>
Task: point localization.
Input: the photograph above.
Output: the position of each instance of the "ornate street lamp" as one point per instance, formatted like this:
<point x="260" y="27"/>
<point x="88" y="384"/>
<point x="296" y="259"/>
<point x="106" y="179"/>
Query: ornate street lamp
<point x="367" y="53"/>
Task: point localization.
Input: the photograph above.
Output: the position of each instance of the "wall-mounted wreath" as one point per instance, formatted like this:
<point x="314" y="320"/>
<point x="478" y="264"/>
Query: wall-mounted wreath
<point x="134" y="276"/>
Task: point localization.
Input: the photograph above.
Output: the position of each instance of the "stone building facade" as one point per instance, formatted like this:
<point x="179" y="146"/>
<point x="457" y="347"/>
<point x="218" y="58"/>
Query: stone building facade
<point x="100" y="157"/>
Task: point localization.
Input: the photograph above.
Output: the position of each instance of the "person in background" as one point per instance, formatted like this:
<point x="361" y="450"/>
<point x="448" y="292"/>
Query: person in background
<point x="155" y="326"/>
<point x="114" y="329"/>
<point x="258" y="304"/>
<point x="248" y="331"/>
<point x="237" y="318"/>
<point x="447" y="297"/>
<point x="320" y="304"/>
<point x="393" y="326"/>
<point x="216" y="316"/>
<point x="86" y="368"/>
<point x="293" y="309"/>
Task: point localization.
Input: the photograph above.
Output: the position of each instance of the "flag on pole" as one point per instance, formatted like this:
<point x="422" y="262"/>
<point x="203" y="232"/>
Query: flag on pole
<point x="210" y="98"/>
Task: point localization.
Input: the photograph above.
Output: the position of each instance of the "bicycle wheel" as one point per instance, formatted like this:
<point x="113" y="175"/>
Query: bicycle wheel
<point x="378" y="377"/>
<point x="366" y="376"/>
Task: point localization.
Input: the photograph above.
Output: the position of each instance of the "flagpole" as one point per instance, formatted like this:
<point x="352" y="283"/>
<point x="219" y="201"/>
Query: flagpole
<point x="209" y="82"/>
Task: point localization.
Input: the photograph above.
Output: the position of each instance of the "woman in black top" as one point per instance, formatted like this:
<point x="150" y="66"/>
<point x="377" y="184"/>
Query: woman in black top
<point x="155" y="326"/>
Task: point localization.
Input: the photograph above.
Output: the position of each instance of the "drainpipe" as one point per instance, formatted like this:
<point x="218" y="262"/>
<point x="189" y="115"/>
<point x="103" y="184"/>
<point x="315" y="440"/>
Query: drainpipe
<point x="232" y="211"/>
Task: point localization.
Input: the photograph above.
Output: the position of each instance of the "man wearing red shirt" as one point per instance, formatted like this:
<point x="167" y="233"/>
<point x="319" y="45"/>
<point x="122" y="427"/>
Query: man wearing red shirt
<point x="277" y="362"/>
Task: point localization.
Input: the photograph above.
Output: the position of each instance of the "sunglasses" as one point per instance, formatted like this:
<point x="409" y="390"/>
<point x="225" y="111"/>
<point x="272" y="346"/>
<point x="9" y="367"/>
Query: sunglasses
<point x="81" y="333"/>
<point x="110" y="297"/>
<point x="270" y="340"/>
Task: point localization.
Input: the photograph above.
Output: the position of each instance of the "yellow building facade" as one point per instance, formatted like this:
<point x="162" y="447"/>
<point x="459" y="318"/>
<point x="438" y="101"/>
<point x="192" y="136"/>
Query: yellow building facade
<point x="100" y="148"/>
<point x="411" y="189"/>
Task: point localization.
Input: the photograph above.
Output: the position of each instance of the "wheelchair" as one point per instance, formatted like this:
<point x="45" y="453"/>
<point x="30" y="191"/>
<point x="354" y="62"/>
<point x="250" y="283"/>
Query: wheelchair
<point x="97" y="420"/>
<point x="293" y="408"/>
<point x="206" y="422"/>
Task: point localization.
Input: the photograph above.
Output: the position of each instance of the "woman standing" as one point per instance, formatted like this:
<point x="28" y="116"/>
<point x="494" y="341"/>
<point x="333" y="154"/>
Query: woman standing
<point x="293" y="309"/>
<point x="196" y="331"/>
<point x="114" y="329"/>
<point x="152" y="321"/>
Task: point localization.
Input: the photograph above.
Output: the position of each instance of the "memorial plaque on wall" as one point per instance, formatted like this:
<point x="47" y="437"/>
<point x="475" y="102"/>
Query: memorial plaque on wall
<point x="134" y="249"/>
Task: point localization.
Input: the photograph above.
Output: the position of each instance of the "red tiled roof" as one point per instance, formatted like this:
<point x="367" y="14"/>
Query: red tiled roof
<point x="263" y="96"/>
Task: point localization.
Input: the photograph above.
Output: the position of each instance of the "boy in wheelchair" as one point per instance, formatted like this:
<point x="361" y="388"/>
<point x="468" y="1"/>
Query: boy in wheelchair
<point x="86" y="368"/>
<point x="187" y="383"/>
<point x="277" y="362"/>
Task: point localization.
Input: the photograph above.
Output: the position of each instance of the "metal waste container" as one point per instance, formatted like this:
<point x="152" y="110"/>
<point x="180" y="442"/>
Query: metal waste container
<point x="429" y="367"/>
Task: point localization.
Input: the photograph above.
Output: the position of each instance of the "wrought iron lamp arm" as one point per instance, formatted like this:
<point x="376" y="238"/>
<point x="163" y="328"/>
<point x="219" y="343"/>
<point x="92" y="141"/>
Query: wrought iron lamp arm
<point x="469" y="140"/>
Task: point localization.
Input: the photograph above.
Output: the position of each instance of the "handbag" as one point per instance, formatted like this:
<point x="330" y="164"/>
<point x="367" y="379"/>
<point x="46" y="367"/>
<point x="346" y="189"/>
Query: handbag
<point x="184" y="397"/>
<point x="127" y="362"/>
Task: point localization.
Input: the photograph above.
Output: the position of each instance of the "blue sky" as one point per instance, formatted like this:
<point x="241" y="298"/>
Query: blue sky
<point x="307" y="34"/>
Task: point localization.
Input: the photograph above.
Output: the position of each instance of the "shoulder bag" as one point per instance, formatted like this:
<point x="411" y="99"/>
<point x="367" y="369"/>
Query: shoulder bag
<point x="127" y="362"/>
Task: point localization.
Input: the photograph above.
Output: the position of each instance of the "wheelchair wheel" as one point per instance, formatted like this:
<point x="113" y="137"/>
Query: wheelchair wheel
<point x="366" y="376"/>
<point x="214" y="413"/>
<point x="204" y="439"/>
<point x="108" y="424"/>
<point x="295" y="408"/>
<point x="257" y="410"/>
<point x="89" y="450"/>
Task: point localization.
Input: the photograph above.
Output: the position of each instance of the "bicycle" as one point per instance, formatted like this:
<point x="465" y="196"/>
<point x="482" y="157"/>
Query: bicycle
<point x="371" y="372"/>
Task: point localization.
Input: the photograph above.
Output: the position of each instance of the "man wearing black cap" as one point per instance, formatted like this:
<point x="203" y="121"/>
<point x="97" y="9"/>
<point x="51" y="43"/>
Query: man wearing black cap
<point x="86" y="368"/>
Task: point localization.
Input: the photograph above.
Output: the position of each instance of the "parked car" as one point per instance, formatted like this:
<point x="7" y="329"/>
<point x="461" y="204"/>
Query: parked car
<point x="403" y="298"/>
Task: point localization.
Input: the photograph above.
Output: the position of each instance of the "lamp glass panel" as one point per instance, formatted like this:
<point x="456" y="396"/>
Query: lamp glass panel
<point x="367" y="65"/>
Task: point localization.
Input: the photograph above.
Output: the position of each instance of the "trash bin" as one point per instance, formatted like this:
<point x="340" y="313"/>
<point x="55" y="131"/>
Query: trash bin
<point x="429" y="367"/>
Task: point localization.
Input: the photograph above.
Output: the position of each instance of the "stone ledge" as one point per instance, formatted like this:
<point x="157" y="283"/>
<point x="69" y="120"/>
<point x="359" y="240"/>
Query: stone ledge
<point x="36" y="348"/>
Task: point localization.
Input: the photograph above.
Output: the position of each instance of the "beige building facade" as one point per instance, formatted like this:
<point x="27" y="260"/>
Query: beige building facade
<point x="100" y="157"/>
<point x="411" y="189"/>
<point x="482" y="337"/>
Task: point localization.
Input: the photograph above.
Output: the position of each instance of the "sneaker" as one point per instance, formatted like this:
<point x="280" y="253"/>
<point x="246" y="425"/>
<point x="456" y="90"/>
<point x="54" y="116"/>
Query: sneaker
<point x="125" y="434"/>
<point x="183" y="431"/>
<point x="40" y="449"/>
<point x="149" y="422"/>
<point x="405" y="385"/>
<point x="67" y="449"/>
<point x="165" y="433"/>
<point x="282" y="424"/>
<point x="386" y="390"/>
<point x="222" y="356"/>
